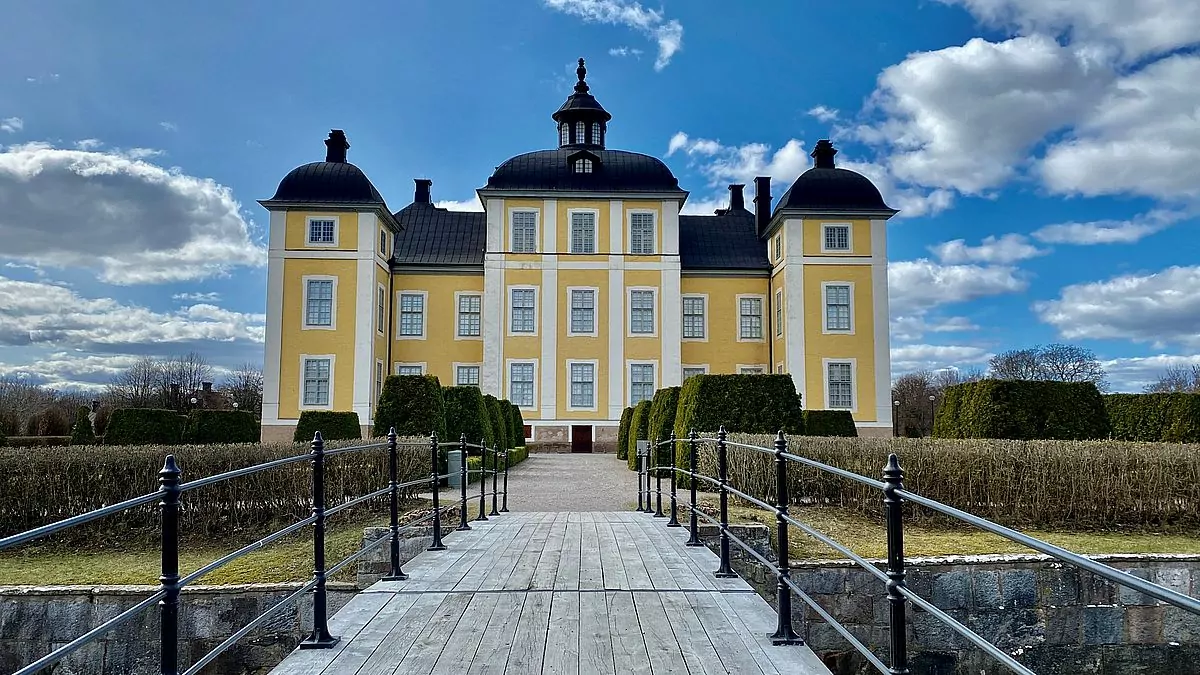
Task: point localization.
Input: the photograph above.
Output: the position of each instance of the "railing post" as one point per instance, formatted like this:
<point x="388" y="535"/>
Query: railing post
<point x="638" y="462"/>
<point x="482" y="480"/>
<point x="462" y="482"/>
<point x="504" y="500"/>
<point x="674" y="521"/>
<point x="320" y="637"/>
<point x="784" y="633"/>
<point x="657" y="449"/>
<point x="694" y="539"/>
<point x="495" y="477"/>
<point x="395" y="574"/>
<point x="435" y="479"/>
<point x="724" y="570"/>
<point x="168" y="607"/>
<point x="893" y="504"/>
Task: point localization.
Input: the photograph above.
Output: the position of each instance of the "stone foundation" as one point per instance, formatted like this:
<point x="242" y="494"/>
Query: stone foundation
<point x="277" y="433"/>
<point x="875" y="432"/>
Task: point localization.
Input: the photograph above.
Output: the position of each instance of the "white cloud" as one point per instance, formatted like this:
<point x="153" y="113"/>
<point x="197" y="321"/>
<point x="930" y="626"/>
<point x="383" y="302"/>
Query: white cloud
<point x="964" y="117"/>
<point x="666" y="33"/>
<point x="1143" y="138"/>
<point x="705" y="207"/>
<point x="169" y="126"/>
<point x="198" y="297"/>
<point x="89" y="144"/>
<point x="1159" y="308"/>
<point x="916" y="286"/>
<point x="132" y="221"/>
<point x="913" y="327"/>
<point x="1004" y="250"/>
<point x="824" y="113"/>
<point x="465" y="205"/>
<point x="1134" y="373"/>
<point x="909" y="358"/>
<point x="12" y="124"/>
<point x="1107" y="231"/>
<point x="625" y="51"/>
<point x="72" y="370"/>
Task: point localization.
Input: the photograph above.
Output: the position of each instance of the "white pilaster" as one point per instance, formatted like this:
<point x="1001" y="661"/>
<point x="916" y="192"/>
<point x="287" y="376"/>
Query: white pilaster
<point x="670" y="228"/>
<point x="670" y="321"/>
<point x="274" y="328"/>
<point x="491" y="377"/>
<point x="616" y="336"/>
<point x="495" y="224"/>
<point x="548" y="391"/>
<point x="550" y="226"/>
<point x="364" y="312"/>
<point x="793" y="285"/>
<point x="881" y="318"/>
<point x="616" y="226"/>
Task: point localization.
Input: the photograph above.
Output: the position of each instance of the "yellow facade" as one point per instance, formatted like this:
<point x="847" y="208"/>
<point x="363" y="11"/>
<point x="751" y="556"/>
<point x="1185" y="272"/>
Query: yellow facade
<point x="859" y="346"/>
<point x="440" y="348"/>
<point x="297" y="230"/>
<point x="338" y="342"/>
<point x="723" y="351"/>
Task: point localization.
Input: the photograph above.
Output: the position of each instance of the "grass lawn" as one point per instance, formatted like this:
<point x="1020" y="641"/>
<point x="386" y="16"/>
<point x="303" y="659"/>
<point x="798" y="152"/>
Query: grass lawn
<point x="289" y="559"/>
<point x="868" y="538"/>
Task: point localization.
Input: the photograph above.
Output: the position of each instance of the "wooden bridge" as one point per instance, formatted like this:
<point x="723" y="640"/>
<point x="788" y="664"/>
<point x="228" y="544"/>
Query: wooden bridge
<point x="580" y="592"/>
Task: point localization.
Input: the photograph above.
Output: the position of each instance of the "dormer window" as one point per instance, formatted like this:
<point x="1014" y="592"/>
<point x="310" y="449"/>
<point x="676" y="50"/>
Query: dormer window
<point x="564" y="134"/>
<point x="597" y="139"/>
<point x="583" y="166"/>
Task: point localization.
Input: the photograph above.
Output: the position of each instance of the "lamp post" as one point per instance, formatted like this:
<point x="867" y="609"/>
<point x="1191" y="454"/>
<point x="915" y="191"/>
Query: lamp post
<point x="896" y="417"/>
<point x="932" y="411"/>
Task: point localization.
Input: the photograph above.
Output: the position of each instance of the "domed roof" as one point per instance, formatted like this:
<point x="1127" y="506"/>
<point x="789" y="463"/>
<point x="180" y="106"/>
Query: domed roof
<point x="335" y="180"/>
<point x="612" y="170"/>
<point x="827" y="188"/>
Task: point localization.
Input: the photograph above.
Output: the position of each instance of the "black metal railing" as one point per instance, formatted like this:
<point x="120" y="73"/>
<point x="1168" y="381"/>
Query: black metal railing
<point x="170" y="494"/>
<point x="893" y="574"/>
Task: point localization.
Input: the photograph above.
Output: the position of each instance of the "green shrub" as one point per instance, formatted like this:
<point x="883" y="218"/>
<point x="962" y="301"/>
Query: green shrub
<point x="221" y="426"/>
<point x="81" y="433"/>
<point x="499" y="427"/>
<point x="144" y="426"/>
<point x="49" y="422"/>
<point x="1169" y="417"/>
<point x="829" y="423"/>
<point x="518" y="424"/>
<point x="515" y="457"/>
<point x="413" y="405"/>
<point x="756" y="404"/>
<point x="639" y="429"/>
<point x="662" y="420"/>
<point x="466" y="413"/>
<point x="333" y="425"/>
<point x="1022" y="409"/>
<point x="623" y="433"/>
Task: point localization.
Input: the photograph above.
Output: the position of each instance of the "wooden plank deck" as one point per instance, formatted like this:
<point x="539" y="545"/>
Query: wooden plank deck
<point x="527" y="593"/>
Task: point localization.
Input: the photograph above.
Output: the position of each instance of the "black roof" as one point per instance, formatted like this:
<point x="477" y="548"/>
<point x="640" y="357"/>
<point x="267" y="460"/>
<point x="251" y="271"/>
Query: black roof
<point x="433" y="236"/>
<point x="339" y="182"/>
<point x="825" y="187"/>
<point x="728" y="240"/>
<point x="581" y="102"/>
<point x="614" y="171"/>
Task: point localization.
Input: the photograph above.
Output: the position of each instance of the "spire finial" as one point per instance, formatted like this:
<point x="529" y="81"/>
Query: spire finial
<point x="581" y="87"/>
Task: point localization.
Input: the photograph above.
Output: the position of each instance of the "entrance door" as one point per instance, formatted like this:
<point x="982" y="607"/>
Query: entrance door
<point x="581" y="438"/>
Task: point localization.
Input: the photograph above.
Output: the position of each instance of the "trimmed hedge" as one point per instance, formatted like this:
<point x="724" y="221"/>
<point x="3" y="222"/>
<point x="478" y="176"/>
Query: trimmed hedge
<point x="499" y="427"/>
<point x="81" y="433"/>
<point x="515" y="457"/>
<point x="144" y="426"/>
<point x="333" y="425"/>
<point x="221" y="426"/>
<point x="518" y="424"/>
<point x="1022" y="410"/>
<point x="1168" y="417"/>
<point x="758" y="404"/>
<point x="829" y="423"/>
<point x="662" y="419"/>
<point x="413" y="405"/>
<point x="466" y="413"/>
<point x="639" y="428"/>
<point x="623" y="433"/>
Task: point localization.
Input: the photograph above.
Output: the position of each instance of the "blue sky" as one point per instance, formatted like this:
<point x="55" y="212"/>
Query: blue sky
<point x="1045" y="154"/>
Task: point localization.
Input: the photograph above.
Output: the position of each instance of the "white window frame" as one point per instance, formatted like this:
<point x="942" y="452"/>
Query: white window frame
<point x="762" y="367"/>
<point x="332" y="358"/>
<point x="423" y="365"/>
<point x="508" y="308"/>
<point x="332" y="305"/>
<point x="595" y="364"/>
<point x="458" y="311"/>
<point x="779" y="313"/>
<point x="629" y="312"/>
<point x="584" y="165"/>
<point x="703" y="298"/>
<point x="337" y="231"/>
<point x="825" y="329"/>
<point x="571" y="332"/>
<point x="629" y="364"/>
<point x="380" y="375"/>
<point x="653" y="229"/>
<point x="508" y="364"/>
<point x="779" y="369"/>
<point x="424" y="314"/>
<point x="580" y="131"/>
<point x="779" y="247"/>
<point x="825" y="363"/>
<point x="692" y="366"/>
<point x="849" y="238"/>
<point x="537" y="228"/>
<point x="762" y="305"/>
<point x="564" y="133"/>
<point x="381" y="310"/>
<point x="595" y="231"/>
<point x="456" y="365"/>
<point x="383" y="244"/>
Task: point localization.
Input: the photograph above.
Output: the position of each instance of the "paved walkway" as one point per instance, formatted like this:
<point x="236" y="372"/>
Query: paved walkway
<point x="571" y="482"/>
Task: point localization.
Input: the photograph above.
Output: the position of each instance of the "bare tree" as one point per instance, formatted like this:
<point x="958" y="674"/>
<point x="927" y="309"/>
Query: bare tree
<point x="1016" y="364"/>
<point x="1177" y="379"/>
<point x="182" y="375"/>
<point x="952" y="376"/>
<point x="20" y="400"/>
<point x="244" y="386"/>
<point x="139" y="386"/>
<point x="1057" y="362"/>
<point x="914" y="414"/>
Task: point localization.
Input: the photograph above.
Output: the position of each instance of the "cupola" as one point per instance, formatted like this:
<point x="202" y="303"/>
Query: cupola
<point x="582" y="121"/>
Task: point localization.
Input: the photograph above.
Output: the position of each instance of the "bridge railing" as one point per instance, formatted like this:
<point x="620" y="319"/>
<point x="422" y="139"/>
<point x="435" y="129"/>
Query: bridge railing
<point x="170" y="495"/>
<point x="893" y="576"/>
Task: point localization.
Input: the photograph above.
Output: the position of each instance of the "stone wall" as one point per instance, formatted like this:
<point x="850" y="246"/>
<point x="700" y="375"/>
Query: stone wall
<point x="1056" y="618"/>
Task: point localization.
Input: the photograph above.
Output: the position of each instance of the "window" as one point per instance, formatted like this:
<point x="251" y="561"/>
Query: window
<point x="580" y="127"/>
<point x="693" y="317"/>
<point x="583" y="232"/>
<point x="316" y="382"/>
<point x="322" y="231"/>
<point x="564" y="134"/>
<point x="779" y="368"/>
<point x="412" y="314"/>
<point x="469" y="307"/>
<point x="641" y="312"/>
<point x="641" y="382"/>
<point x="524" y="231"/>
<point x="836" y="238"/>
<point x="380" y="309"/>
<point x="779" y="313"/>
<point x="383" y="243"/>
<point x="693" y="371"/>
<point x="318" y="304"/>
<point x="641" y="233"/>
<point x="750" y="370"/>
<point x="520" y="384"/>
<point x="597" y="138"/>
<point x="466" y="376"/>
<point x="778" y="247"/>
<point x="583" y="311"/>
<point x="750" y="318"/>
<point x="583" y="166"/>
<point x="840" y="379"/>
<point x="523" y="320"/>
<point x="837" y="307"/>
<point x="583" y="385"/>
<point x="410" y="369"/>
<point x="378" y="380"/>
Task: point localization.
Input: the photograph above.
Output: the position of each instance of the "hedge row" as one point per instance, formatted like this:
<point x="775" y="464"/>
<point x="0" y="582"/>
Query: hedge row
<point x="333" y="425"/>
<point x="829" y="423"/>
<point x="623" y="433"/>
<point x="412" y="405"/>
<point x="747" y="403"/>
<point x="1022" y="409"/>
<point x="1172" y="418"/>
<point x="515" y="457"/>
<point x="639" y="428"/>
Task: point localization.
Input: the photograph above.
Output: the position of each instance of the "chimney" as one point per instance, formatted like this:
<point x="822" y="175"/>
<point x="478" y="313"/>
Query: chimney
<point x="737" y="200"/>
<point x="762" y="202"/>
<point x="95" y="406"/>
<point x="823" y="153"/>
<point x="206" y="387"/>
<point x="422" y="194"/>
<point x="336" y="146"/>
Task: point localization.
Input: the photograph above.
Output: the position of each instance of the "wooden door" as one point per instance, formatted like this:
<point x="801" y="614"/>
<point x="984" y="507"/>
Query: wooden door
<point x="581" y="438"/>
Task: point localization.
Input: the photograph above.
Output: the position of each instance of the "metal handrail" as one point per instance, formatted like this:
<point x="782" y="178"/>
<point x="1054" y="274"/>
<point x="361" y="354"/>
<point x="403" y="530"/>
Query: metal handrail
<point x="258" y="545"/>
<point x="245" y="471"/>
<point x="38" y="532"/>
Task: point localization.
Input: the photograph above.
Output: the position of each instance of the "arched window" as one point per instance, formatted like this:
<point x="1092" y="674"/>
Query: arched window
<point x="583" y="165"/>
<point x="597" y="139"/>
<point x="564" y="134"/>
<point x="580" y="128"/>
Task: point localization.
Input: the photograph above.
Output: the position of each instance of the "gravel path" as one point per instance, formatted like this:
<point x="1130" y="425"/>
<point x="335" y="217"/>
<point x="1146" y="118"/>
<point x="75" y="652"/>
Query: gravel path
<point x="571" y="482"/>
